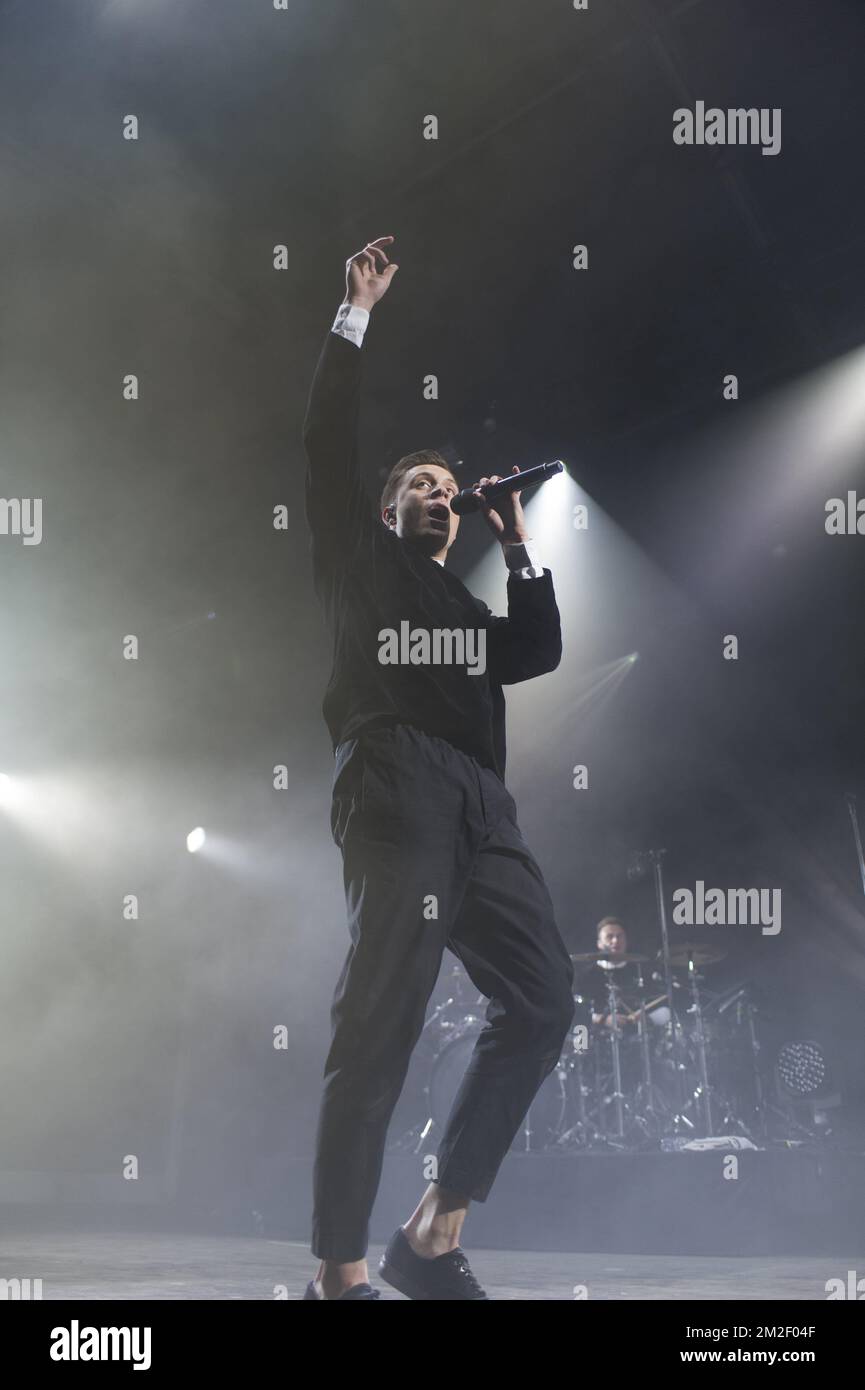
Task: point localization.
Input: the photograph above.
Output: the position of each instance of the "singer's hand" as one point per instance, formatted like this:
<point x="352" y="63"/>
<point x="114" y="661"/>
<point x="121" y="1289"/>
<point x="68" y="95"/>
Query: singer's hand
<point x="368" y="274"/>
<point x="505" y="519"/>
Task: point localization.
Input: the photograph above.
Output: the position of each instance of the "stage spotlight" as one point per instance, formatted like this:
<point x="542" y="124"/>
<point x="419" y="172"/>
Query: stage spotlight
<point x="195" y="839"/>
<point x="805" y="1087"/>
<point x="13" y="793"/>
<point x="802" y="1069"/>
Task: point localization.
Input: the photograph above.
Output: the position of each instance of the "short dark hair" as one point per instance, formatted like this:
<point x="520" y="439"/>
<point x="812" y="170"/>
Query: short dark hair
<point x="609" y="922"/>
<point x="397" y="473"/>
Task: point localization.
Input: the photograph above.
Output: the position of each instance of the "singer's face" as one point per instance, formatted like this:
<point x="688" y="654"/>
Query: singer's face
<point x="423" y="508"/>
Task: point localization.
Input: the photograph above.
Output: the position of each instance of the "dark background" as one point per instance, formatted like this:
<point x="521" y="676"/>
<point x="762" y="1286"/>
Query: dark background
<point x="304" y="127"/>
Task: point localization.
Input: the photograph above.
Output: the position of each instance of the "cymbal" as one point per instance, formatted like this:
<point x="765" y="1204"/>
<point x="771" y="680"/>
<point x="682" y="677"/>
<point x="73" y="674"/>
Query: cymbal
<point x="696" y="951"/>
<point x="608" y="955"/>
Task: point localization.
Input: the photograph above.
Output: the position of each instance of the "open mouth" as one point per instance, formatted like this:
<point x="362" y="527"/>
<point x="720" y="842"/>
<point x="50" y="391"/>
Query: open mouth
<point x="439" y="512"/>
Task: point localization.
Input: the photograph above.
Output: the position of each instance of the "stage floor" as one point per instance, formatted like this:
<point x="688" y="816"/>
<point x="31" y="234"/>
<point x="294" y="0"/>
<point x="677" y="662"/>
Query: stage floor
<point x="139" y="1265"/>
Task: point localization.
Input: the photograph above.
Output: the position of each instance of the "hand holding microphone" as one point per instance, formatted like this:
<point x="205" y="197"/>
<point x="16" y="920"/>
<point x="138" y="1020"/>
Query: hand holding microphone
<point x="498" y="500"/>
<point x="501" y="510"/>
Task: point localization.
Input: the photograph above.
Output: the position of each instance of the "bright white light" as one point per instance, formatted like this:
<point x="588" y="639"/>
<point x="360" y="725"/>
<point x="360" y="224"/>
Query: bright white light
<point x="550" y="508"/>
<point x="803" y="439"/>
<point x="16" y="795"/>
<point x="597" y="570"/>
<point x="195" y="839"/>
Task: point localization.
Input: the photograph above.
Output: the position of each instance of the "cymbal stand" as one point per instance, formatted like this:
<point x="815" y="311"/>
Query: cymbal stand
<point x="618" y="1097"/>
<point x="648" y="1117"/>
<point x="579" y="1134"/>
<point x="655" y="858"/>
<point x="755" y="1050"/>
<point x="703" y="1094"/>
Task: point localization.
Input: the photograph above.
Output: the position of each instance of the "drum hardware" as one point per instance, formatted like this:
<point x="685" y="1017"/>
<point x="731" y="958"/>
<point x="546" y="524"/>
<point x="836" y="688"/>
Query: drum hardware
<point x="580" y="1134"/>
<point x="642" y="861"/>
<point x="692" y="954"/>
<point x="437" y="1013"/>
<point x="733" y="1015"/>
<point x="588" y="1101"/>
<point x="611" y="957"/>
<point x="689" y="955"/>
<point x="703" y="1095"/>
<point x="646" y="1115"/>
<point x="615" y="1087"/>
<point x="618" y="1097"/>
<point x="759" y="1095"/>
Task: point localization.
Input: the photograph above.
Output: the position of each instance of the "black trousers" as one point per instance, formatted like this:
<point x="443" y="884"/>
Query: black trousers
<point x="432" y="858"/>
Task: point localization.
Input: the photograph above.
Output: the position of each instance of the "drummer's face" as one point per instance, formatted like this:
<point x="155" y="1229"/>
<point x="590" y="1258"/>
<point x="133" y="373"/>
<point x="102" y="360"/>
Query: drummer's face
<point x="613" y="939"/>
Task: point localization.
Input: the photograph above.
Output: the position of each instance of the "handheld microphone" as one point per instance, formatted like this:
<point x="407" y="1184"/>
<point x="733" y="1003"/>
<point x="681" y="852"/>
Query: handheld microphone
<point x="466" y="501"/>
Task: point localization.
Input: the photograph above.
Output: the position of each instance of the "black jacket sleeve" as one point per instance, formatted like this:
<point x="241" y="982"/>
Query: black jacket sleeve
<point x="338" y="511"/>
<point x="528" y="642"/>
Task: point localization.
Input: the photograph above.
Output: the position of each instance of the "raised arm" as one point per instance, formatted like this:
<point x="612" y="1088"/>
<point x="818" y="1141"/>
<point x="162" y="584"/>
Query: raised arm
<point x="338" y="511"/>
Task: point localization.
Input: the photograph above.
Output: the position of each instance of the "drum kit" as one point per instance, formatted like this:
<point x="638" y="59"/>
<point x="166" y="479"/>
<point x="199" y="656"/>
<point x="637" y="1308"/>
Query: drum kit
<point x="632" y="1073"/>
<point x="660" y="1063"/>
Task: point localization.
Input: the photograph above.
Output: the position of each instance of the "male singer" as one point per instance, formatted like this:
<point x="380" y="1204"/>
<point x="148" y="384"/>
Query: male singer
<point x="432" y="854"/>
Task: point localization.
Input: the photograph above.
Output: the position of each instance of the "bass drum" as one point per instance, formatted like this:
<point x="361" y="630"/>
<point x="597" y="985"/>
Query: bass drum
<point x="545" y="1120"/>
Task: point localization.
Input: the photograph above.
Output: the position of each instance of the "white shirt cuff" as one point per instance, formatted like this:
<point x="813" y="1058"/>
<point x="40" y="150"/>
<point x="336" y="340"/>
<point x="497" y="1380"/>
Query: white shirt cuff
<point x="351" y="322"/>
<point x="522" y="561"/>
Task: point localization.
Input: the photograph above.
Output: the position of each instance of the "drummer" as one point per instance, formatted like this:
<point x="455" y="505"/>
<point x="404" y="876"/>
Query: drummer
<point x="612" y="940"/>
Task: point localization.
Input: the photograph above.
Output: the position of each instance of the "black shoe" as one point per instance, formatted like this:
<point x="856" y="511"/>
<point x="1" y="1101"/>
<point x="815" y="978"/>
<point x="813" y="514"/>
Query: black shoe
<point x="447" y="1277"/>
<point x="355" y="1292"/>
